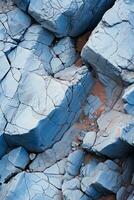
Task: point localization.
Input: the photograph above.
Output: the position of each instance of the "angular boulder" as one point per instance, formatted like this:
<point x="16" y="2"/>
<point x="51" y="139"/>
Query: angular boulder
<point x="109" y="49"/>
<point x="104" y="179"/>
<point x="115" y="136"/>
<point x="68" y="18"/>
<point x="40" y="108"/>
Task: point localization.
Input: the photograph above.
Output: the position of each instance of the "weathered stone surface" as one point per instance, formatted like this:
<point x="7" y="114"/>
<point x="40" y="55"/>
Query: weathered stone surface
<point x="89" y="140"/>
<point x="128" y="98"/>
<point x="68" y="17"/>
<point x="114" y="135"/>
<point x="74" y="162"/>
<point x="22" y="4"/>
<point x="110" y="49"/>
<point x="36" y="186"/>
<point x="60" y="150"/>
<point x="12" y="163"/>
<point x="3" y="144"/>
<point x="37" y="108"/>
<point x="89" y="168"/>
<point x="13" y="24"/>
<point x="71" y="190"/>
<point x="104" y="179"/>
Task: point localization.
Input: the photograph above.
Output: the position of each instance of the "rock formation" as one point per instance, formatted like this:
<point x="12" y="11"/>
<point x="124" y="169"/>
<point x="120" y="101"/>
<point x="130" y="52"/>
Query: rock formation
<point x="66" y="100"/>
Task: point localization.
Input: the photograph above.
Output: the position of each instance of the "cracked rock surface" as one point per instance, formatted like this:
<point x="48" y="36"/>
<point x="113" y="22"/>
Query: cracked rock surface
<point x="66" y="100"/>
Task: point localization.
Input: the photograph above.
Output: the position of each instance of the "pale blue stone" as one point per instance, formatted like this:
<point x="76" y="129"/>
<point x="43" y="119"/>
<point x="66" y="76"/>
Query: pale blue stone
<point x="12" y="163"/>
<point x="74" y="162"/>
<point x="68" y="17"/>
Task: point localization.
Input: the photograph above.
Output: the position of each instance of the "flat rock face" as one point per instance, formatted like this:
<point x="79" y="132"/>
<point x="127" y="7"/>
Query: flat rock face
<point x="13" y="24"/>
<point x="38" y="108"/>
<point x="35" y="186"/>
<point x="110" y="49"/>
<point x="68" y="17"/>
<point x="12" y="163"/>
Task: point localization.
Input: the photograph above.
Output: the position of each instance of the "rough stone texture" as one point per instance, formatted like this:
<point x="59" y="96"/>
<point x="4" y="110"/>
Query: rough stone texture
<point x="74" y="162"/>
<point x="128" y="98"/>
<point x="68" y="17"/>
<point x="36" y="186"/>
<point x="114" y="135"/>
<point x="59" y="151"/>
<point x="38" y="108"/>
<point x="110" y="49"/>
<point x="13" y="24"/>
<point x="12" y="163"/>
<point x="71" y="190"/>
<point x="104" y="179"/>
<point x="22" y="4"/>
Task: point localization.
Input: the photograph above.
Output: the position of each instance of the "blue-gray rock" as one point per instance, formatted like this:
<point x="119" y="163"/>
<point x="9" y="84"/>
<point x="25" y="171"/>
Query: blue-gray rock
<point x="74" y="162"/>
<point x="13" y="24"/>
<point x="128" y="98"/>
<point x="115" y="136"/>
<point x="4" y="65"/>
<point x="93" y="103"/>
<point x="89" y="140"/>
<point x="128" y="169"/>
<point x="105" y="50"/>
<point x="64" y="55"/>
<point x="36" y="186"/>
<point x="104" y="179"/>
<point x="22" y="4"/>
<point x="3" y="144"/>
<point x="38" y="109"/>
<point x="58" y="151"/>
<point x="89" y="168"/>
<point x="68" y="17"/>
<point x="12" y="163"/>
<point x="71" y="190"/>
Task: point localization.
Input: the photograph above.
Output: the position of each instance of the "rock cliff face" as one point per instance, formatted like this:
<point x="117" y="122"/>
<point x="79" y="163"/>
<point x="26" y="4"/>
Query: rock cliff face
<point x="66" y="100"/>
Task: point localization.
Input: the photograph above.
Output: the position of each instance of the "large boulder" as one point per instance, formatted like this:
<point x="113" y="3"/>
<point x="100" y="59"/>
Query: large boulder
<point x="110" y="49"/>
<point x="68" y="17"/>
<point x="13" y="24"/>
<point x="38" y="108"/>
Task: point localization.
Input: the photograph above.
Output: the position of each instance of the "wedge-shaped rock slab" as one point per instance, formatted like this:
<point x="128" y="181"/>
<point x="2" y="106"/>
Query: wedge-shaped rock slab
<point x="36" y="107"/>
<point x="12" y="163"/>
<point x="110" y="49"/>
<point x="13" y="24"/>
<point x="68" y="17"/>
<point x="35" y="186"/>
